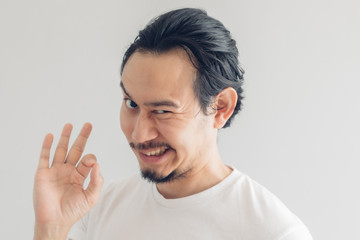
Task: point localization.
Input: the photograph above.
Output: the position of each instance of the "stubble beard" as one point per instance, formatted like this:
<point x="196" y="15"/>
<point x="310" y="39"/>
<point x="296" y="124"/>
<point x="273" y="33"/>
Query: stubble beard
<point x="153" y="177"/>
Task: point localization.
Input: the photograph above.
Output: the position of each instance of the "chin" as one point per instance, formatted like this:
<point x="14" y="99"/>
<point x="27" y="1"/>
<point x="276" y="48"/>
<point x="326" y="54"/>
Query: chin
<point x="155" y="177"/>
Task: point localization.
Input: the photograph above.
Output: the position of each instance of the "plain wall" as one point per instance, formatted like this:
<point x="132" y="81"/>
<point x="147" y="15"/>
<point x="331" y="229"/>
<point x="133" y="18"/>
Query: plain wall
<point x="298" y="133"/>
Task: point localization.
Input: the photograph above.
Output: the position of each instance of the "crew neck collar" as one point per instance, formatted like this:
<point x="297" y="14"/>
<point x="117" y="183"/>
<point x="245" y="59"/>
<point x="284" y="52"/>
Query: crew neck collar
<point x="198" y="197"/>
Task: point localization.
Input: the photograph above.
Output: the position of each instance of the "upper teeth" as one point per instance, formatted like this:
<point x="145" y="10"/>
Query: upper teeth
<point x="156" y="152"/>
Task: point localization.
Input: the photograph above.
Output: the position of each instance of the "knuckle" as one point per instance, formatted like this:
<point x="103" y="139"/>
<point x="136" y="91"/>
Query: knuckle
<point x="82" y="163"/>
<point x="44" y="156"/>
<point x="92" y="156"/>
<point x="92" y="200"/>
<point x="77" y="148"/>
<point x="89" y="157"/>
<point x="61" y="147"/>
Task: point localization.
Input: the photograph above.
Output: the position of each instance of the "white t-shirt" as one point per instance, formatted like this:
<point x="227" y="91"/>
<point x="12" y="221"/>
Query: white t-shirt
<point x="235" y="208"/>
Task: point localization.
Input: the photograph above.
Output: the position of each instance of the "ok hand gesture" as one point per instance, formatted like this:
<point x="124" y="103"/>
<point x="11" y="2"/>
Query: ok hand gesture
<point x="59" y="196"/>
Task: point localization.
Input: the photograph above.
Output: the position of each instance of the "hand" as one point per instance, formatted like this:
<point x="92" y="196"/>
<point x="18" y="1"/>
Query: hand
<point x="59" y="196"/>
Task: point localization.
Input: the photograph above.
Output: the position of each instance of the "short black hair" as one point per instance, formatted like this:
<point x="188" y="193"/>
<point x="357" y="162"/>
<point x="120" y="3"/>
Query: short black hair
<point x="209" y="45"/>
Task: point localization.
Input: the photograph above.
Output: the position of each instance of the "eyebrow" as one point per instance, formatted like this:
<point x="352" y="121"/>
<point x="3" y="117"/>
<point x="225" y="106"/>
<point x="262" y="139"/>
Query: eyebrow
<point x="155" y="103"/>
<point x="162" y="103"/>
<point x="123" y="88"/>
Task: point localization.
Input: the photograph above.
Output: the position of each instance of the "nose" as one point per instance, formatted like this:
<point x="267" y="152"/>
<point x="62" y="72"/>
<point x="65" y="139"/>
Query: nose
<point x="144" y="129"/>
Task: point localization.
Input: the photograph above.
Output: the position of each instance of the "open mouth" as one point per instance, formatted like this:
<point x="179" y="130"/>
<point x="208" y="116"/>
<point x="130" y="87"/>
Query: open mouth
<point x="156" y="152"/>
<point x="156" y="155"/>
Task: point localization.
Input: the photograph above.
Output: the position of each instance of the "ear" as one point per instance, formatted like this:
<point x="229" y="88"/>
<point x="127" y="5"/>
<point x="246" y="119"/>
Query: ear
<point x="225" y="103"/>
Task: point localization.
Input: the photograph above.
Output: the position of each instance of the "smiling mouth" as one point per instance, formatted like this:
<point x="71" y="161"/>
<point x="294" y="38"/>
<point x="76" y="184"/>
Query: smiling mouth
<point x="156" y="152"/>
<point x="154" y="155"/>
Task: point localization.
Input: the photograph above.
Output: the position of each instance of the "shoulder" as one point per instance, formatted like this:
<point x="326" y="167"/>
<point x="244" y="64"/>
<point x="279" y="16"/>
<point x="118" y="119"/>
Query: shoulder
<point x="264" y="211"/>
<point x="256" y="197"/>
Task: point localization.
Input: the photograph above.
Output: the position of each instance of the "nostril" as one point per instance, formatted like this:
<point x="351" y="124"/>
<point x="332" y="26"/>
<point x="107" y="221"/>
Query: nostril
<point x="144" y="130"/>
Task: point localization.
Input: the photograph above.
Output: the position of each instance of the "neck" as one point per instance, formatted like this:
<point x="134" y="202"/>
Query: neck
<point x="200" y="178"/>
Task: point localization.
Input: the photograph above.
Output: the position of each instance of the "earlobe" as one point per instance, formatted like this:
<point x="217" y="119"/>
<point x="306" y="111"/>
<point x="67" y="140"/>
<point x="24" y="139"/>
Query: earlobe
<point x="225" y="103"/>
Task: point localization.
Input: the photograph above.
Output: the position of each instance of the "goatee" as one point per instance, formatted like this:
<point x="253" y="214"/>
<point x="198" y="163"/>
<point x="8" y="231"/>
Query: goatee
<point x="153" y="177"/>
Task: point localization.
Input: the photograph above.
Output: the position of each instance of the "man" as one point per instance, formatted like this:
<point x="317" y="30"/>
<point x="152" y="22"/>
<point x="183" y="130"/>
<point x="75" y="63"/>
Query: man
<point x="181" y="83"/>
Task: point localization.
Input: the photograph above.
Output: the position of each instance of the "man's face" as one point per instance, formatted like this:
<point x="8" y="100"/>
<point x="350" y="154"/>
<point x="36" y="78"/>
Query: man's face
<point x="161" y="117"/>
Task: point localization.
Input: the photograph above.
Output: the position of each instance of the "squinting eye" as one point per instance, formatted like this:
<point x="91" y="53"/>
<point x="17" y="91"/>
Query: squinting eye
<point x="130" y="104"/>
<point x="160" y="111"/>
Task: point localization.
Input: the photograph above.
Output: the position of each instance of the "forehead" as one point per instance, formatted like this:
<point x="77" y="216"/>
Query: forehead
<point x="166" y="75"/>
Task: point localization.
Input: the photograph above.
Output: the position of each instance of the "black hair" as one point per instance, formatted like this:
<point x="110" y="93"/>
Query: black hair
<point x="208" y="44"/>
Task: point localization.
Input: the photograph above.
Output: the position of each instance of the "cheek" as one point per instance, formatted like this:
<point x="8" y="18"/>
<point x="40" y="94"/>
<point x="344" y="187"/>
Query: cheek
<point x="177" y="133"/>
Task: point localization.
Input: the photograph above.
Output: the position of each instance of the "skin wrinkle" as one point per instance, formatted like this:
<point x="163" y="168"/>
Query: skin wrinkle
<point x="160" y="103"/>
<point x="191" y="134"/>
<point x="171" y="104"/>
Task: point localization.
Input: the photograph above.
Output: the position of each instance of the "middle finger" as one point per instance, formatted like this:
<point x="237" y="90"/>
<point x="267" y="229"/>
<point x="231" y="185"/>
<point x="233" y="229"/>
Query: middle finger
<point x="78" y="147"/>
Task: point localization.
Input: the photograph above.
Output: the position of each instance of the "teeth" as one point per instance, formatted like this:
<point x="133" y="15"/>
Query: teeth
<point x="156" y="152"/>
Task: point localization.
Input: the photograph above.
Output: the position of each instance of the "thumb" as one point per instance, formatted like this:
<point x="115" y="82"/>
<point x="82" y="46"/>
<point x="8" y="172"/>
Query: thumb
<point x="93" y="190"/>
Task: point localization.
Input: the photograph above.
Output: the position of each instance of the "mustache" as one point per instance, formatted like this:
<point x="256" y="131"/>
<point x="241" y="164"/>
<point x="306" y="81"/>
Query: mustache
<point x="144" y="146"/>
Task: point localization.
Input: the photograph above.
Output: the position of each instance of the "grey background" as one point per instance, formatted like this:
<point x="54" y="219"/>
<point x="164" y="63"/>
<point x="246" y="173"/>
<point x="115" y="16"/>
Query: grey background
<point x="298" y="133"/>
